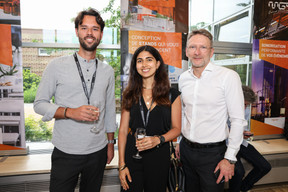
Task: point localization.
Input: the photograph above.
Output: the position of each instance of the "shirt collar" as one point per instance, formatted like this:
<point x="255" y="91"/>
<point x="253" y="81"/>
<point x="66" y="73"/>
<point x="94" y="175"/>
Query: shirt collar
<point x="82" y="60"/>
<point x="208" y="68"/>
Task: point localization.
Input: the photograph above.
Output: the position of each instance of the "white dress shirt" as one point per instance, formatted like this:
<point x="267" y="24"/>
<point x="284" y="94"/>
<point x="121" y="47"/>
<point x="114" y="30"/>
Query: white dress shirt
<point x="207" y="102"/>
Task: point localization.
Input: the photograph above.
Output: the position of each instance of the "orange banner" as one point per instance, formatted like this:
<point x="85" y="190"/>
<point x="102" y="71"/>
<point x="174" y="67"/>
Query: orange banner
<point x="273" y="51"/>
<point x="5" y="45"/>
<point x="157" y="3"/>
<point x="163" y="7"/>
<point x="168" y="44"/>
<point x="260" y="128"/>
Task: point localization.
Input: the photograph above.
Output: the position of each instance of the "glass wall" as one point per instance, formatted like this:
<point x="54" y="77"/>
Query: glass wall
<point x="230" y="23"/>
<point x="227" y="20"/>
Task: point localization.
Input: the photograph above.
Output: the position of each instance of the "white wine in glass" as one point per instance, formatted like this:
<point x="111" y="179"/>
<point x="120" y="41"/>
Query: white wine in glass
<point x="94" y="128"/>
<point x="139" y="134"/>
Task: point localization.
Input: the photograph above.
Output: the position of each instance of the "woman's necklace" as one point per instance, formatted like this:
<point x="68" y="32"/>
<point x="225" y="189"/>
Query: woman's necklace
<point x="148" y="99"/>
<point x="147" y="95"/>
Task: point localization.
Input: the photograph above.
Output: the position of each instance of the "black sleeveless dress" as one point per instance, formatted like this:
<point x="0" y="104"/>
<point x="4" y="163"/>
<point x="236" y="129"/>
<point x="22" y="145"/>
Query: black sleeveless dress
<point x="151" y="172"/>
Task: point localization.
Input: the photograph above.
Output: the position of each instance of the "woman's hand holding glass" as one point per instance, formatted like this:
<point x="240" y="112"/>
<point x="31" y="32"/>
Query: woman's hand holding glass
<point x="139" y="135"/>
<point x="148" y="142"/>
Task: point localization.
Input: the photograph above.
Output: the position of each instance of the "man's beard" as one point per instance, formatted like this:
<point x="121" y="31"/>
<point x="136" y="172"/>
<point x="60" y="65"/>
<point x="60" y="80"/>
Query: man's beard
<point x="91" y="47"/>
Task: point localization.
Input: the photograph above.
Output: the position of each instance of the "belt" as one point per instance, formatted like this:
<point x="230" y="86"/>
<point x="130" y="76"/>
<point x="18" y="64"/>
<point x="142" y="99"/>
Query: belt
<point x="203" y="145"/>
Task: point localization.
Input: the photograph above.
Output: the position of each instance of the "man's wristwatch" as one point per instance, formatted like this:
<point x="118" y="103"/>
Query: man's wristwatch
<point x="112" y="141"/>
<point x="231" y="161"/>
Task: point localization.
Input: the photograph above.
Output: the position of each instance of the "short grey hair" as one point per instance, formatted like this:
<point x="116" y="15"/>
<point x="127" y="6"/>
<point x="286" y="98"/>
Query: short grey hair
<point x="203" y="32"/>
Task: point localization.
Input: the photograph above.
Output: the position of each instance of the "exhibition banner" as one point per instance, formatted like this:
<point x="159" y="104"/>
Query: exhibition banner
<point x="12" y="126"/>
<point x="168" y="44"/>
<point x="274" y="52"/>
<point x="270" y="67"/>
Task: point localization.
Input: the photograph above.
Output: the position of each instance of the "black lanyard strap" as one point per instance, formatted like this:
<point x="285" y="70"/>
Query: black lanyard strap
<point x="82" y="78"/>
<point x="145" y="123"/>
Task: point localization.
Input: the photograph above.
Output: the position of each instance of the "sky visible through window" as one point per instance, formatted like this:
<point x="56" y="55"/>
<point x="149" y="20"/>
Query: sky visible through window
<point x="55" y="14"/>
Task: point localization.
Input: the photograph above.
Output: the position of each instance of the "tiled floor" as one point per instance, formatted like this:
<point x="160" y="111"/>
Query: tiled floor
<point x="282" y="187"/>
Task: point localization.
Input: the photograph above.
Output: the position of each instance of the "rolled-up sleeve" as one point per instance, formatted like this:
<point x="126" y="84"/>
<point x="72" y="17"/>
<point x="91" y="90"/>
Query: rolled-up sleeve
<point x="45" y="92"/>
<point x="110" y="113"/>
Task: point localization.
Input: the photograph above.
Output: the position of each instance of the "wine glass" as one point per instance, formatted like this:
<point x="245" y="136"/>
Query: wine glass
<point x="140" y="134"/>
<point x="94" y="128"/>
<point x="248" y="135"/>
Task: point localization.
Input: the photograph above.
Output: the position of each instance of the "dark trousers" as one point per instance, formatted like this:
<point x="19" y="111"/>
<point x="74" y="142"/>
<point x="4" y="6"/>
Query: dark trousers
<point x="149" y="174"/>
<point x="199" y="165"/>
<point x="260" y="168"/>
<point x="66" y="169"/>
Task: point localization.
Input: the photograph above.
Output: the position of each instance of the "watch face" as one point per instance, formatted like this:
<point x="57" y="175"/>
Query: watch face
<point x="112" y="141"/>
<point x="162" y="139"/>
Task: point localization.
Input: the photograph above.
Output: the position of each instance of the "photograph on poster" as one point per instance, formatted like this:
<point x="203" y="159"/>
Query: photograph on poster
<point x="11" y="92"/>
<point x="148" y="15"/>
<point x="271" y="20"/>
<point x="10" y="12"/>
<point x="269" y="82"/>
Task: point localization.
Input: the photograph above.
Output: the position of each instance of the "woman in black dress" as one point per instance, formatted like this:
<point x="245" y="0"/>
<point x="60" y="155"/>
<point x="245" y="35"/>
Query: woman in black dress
<point x="148" y="102"/>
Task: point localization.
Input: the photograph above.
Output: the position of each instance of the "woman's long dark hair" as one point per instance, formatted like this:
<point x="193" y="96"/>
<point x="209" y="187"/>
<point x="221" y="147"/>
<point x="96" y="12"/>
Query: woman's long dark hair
<point x="133" y="91"/>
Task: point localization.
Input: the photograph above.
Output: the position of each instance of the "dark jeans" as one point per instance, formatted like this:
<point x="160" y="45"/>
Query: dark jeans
<point x="66" y="169"/>
<point x="199" y="166"/>
<point x="260" y="168"/>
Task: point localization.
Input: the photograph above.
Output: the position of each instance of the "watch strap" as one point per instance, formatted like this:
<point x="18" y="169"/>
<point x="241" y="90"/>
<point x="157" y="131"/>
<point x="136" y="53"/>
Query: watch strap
<point x="162" y="139"/>
<point x="231" y="161"/>
<point x="112" y="141"/>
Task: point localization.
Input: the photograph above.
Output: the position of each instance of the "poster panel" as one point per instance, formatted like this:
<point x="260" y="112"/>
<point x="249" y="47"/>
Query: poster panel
<point x="270" y="67"/>
<point x="12" y="128"/>
<point x="168" y="44"/>
<point x="159" y="23"/>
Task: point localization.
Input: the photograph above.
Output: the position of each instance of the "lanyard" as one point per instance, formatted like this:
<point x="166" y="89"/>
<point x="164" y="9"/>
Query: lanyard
<point x="82" y="78"/>
<point x="145" y="123"/>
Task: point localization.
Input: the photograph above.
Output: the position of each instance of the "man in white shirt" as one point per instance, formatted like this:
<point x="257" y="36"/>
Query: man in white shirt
<point x="210" y="94"/>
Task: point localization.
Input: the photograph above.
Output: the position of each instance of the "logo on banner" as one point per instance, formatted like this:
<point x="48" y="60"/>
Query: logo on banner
<point x="279" y="5"/>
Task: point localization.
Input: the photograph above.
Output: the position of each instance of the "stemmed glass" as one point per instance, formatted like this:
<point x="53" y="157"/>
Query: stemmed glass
<point x="94" y="128"/>
<point x="140" y="134"/>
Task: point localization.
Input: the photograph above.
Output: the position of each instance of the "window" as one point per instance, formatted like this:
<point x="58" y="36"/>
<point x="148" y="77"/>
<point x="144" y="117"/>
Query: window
<point x="229" y="21"/>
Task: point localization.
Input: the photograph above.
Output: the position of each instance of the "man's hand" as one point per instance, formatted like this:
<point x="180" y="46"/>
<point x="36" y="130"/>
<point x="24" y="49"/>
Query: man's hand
<point x="110" y="152"/>
<point x="83" y="113"/>
<point x="226" y="170"/>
